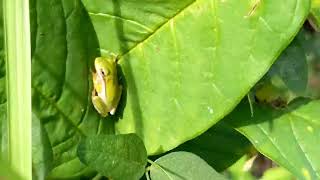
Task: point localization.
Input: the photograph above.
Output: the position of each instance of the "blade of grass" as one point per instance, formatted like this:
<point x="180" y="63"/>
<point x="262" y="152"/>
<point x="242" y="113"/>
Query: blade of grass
<point x="18" y="64"/>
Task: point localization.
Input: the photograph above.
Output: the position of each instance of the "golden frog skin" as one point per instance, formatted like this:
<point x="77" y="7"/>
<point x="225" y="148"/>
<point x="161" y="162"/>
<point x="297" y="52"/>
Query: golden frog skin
<point x="106" y="89"/>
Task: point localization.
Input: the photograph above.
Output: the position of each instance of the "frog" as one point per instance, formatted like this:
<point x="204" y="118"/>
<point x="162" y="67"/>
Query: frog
<point x="107" y="91"/>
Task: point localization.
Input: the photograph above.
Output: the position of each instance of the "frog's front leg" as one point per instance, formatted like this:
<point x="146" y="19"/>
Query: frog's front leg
<point x="100" y="106"/>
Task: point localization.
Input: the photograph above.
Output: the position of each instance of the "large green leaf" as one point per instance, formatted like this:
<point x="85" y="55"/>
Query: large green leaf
<point x="64" y="44"/>
<point x="186" y="64"/>
<point x="220" y="146"/>
<point x="289" y="137"/>
<point x="118" y="157"/>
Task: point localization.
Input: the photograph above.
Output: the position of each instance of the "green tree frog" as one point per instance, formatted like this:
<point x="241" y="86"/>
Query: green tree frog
<point x="106" y="89"/>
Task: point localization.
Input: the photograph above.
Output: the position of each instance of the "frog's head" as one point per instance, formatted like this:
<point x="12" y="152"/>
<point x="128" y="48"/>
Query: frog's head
<point x="104" y="66"/>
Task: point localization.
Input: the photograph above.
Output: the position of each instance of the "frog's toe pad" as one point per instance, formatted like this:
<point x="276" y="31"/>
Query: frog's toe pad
<point x="113" y="111"/>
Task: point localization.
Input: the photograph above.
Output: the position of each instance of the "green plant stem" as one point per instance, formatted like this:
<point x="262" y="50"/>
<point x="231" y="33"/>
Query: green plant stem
<point x="18" y="64"/>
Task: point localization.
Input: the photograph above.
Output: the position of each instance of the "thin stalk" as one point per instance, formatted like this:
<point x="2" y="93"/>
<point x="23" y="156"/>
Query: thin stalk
<point x="18" y="64"/>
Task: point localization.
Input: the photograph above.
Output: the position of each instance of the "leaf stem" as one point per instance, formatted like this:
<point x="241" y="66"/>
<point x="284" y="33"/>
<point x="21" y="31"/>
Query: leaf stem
<point x="18" y="68"/>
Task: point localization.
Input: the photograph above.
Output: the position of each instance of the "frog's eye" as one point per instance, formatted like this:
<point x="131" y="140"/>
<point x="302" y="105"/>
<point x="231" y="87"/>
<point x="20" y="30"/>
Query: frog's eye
<point x="103" y="72"/>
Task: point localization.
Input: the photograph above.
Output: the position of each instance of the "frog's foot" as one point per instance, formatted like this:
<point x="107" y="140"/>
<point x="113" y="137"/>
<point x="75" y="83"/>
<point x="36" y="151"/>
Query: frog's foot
<point x="113" y="111"/>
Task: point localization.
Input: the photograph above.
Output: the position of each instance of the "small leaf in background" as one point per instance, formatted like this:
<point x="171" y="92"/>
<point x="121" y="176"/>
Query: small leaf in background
<point x="182" y="166"/>
<point x="287" y="79"/>
<point x="310" y="42"/>
<point x="290" y="137"/>
<point x="295" y="74"/>
<point x="119" y="157"/>
<point x="220" y="146"/>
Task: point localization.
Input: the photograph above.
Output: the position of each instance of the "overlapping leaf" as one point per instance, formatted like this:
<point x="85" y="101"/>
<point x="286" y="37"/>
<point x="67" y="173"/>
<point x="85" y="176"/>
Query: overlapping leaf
<point x="118" y="157"/>
<point x="289" y="137"/>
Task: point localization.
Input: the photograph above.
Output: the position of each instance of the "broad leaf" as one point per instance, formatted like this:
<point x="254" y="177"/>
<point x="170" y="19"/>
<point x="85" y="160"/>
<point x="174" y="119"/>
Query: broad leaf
<point x="182" y="166"/>
<point x="64" y="45"/>
<point x="289" y="137"/>
<point x="122" y="157"/>
<point x="187" y="64"/>
<point x="220" y="146"/>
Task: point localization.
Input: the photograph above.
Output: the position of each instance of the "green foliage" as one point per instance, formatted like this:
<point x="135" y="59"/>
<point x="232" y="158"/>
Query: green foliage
<point x="182" y="72"/>
<point x="288" y="136"/>
<point x="119" y="157"/>
<point x="184" y="65"/>
<point x="182" y="165"/>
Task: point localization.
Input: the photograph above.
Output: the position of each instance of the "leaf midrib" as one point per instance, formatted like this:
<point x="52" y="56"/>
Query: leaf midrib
<point x="155" y="31"/>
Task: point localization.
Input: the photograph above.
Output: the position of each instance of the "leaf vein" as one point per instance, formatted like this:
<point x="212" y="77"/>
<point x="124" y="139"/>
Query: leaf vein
<point x="121" y="18"/>
<point x="305" y="155"/>
<point x="65" y="116"/>
<point x="274" y="144"/>
<point x="159" y="27"/>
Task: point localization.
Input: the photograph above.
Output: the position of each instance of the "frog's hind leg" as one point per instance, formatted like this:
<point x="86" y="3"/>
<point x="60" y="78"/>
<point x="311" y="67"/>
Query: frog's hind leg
<point x="113" y="110"/>
<point x="100" y="106"/>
